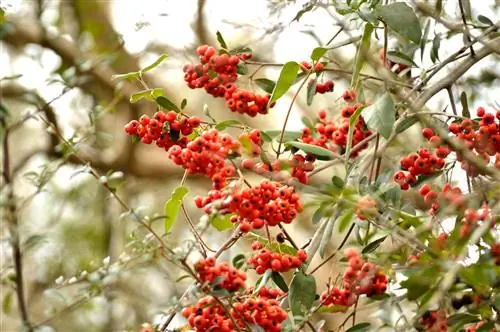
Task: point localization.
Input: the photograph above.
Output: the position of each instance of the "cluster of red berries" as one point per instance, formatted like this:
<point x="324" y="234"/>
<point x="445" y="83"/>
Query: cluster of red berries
<point x="266" y="260"/>
<point x="227" y="277"/>
<point x="166" y="129"/>
<point x="206" y="155"/>
<point x="209" y="315"/>
<point x="328" y="135"/>
<point x="449" y="195"/>
<point x="307" y="66"/>
<point x="269" y="203"/>
<point x="324" y="87"/>
<point x="482" y="137"/>
<point x="270" y="293"/>
<point x="359" y="278"/>
<point x="245" y="101"/>
<point x="349" y="95"/>
<point x="423" y="163"/>
<point x="495" y="252"/>
<point x="433" y="321"/>
<point x="213" y="72"/>
<point x="252" y="142"/>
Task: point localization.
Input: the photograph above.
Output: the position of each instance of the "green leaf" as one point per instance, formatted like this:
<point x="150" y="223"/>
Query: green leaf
<point x="150" y="94"/>
<point x="302" y="293"/>
<point x="301" y="12"/>
<point x="238" y="261"/>
<point x="475" y="275"/>
<point x="400" y="57"/>
<point x="221" y="40"/>
<point x="275" y="247"/>
<point x="307" y="122"/>
<point x="7" y="302"/>
<point x="172" y="207"/>
<point x="318" y="52"/>
<point x="265" y="84"/>
<point x="401" y="19"/>
<point x="227" y="123"/>
<point x="423" y="41"/>
<point x="333" y="308"/>
<point x="404" y="123"/>
<point x="2" y="16"/>
<point x="183" y="103"/>
<point x="311" y="90"/>
<point x="135" y="75"/>
<point x="465" y="105"/>
<point x="353" y="120"/>
<point x="372" y="246"/>
<point x="462" y="319"/>
<point x="361" y="327"/>
<point x="154" y="64"/>
<point x="338" y="182"/>
<point x="366" y="14"/>
<point x="436" y="43"/>
<point x="221" y="222"/>
<point x="345" y="220"/>
<point x="167" y="104"/>
<point x="279" y="281"/>
<point x="319" y="152"/>
<point x="420" y="282"/>
<point x="286" y="79"/>
<point x="363" y="49"/>
<point x="380" y="117"/>
<point x="242" y="68"/>
<point x="262" y="281"/>
<point x="287" y="136"/>
<point x="327" y="236"/>
<point x="483" y="19"/>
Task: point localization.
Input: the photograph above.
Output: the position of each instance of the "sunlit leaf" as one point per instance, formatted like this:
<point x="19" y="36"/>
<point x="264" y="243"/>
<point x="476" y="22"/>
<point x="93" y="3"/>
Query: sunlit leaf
<point x="285" y="81"/>
<point x="172" y="207"/>
<point x="155" y="64"/>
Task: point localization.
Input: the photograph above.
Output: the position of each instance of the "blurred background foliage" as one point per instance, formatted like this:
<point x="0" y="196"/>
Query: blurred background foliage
<point x="57" y="59"/>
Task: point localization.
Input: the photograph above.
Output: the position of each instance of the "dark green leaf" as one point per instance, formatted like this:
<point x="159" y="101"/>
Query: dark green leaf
<point x="485" y="20"/>
<point x="265" y="84"/>
<point x="400" y="57"/>
<point x="183" y="103"/>
<point x="279" y="281"/>
<point x="486" y="327"/>
<point x="372" y="246"/>
<point x="311" y="90"/>
<point x="238" y="261"/>
<point x="338" y="182"/>
<point x="221" y="222"/>
<point x="475" y="275"/>
<point x="301" y="12"/>
<point x="172" y="207"/>
<point x="286" y="79"/>
<point x="227" y="123"/>
<point x="423" y="41"/>
<point x="167" y="104"/>
<point x="401" y="19"/>
<point x="465" y="105"/>
<point x="302" y="293"/>
<point x="404" y="123"/>
<point x="436" y="43"/>
<point x="242" y="68"/>
<point x="420" y="282"/>
<point x="462" y="319"/>
<point x="319" y="152"/>
<point x="221" y="40"/>
<point x="380" y="117"/>
<point x="361" y="327"/>
<point x="154" y="64"/>
<point x="345" y="220"/>
<point x="317" y="53"/>
<point x="363" y="49"/>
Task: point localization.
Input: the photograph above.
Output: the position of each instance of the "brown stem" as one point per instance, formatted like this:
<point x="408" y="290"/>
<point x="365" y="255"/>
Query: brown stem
<point x="467" y="33"/>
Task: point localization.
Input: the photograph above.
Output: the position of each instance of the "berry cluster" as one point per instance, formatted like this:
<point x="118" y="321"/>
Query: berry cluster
<point x="213" y="72"/>
<point x="266" y="260"/>
<point x="270" y="293"/>
<point x="328" y="135"/>
<point x="307" y="66"/>
<point x="166" y="129"/>
<point x="252" y="142"/>
<point x="209" y="315"/>
<point x="269" y="203"/>
<point x="433" y="321"/>
<point x="245" y="101"/>
<point x="359" y="278"/>
<point x="206" y="155"/>
<point x="325" y="87"/>
<point x="449" y="195"/>
<point x="227" y="277"/>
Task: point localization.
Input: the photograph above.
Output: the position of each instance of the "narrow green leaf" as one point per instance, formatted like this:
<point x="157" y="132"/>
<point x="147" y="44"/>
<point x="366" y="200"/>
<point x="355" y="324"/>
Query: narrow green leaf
<point x="265" y="84"/>
<point x="2" y="16"/>
<point x="436" y="43"/>
<point x="363" y="49"/>
<point x="286" y="79"/>
<point x="423" y="41"/>
<point x="465" y="105"/>
<point x="345" y="221"/>
<point x="400" y="57"/>
<point x="127" y="76"/>
<point x="372" y="246"/>
<point x="150" y="94"/>
<point x="167" y="104"/>
<point x="238" y="261"/>
<point x="279" y="281"/>
<point x="262" y="281"/>
<point x="311" y="90"/>
<point x="183" y="103"/>
<point x="227" y="123"/>
<point x="155" y="64"/>
<point x="302" y="293"/>
<point x="7" y="302"/>
<point x="404" y="123"/>
<point x="287" y="136"/>
<point x="317" y="53"/>
<point x="319" y="152"/>
<point x="461" y="319"/>
<point x="380" y="117"/>
<point x="361" y="327"/>
<point x="327" y="236"/>
<point x="221" y="40"/>
<point x="401" y="19"/>
<point x="221" y="222"/>
<point x="172" y="207"/>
